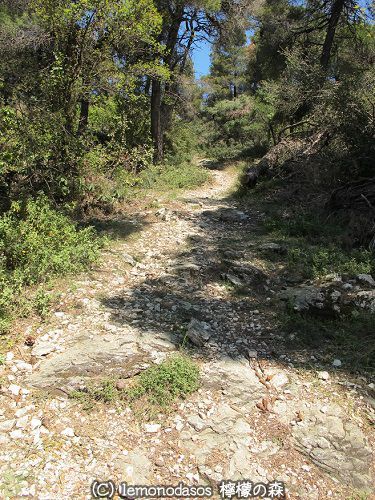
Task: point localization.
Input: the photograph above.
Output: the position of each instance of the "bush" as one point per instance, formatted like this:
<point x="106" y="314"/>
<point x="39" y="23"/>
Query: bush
<point x="37" y="243"/>
<point x="161" y="385"/>
<point x="320" y="260"/>
<point x="165" y="177"/>
<point x="155" y="390"/>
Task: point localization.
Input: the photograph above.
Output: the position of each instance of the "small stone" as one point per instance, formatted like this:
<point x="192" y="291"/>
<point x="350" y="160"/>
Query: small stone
<point x="16" y="434"/>
<point x="279" y="380"/>
<point x="192" y="477"/>
<point x="323" y="375"/>
<point x="252" y="354"/>
<point x="152" y="428"/>
<point x="9" y="356"/>
<point x="42" y="349"/>
<point x="22" y="422"/>
<point x="120" y="384"/>
<point x="198" y="332"/>
<point x="232" y="278"/>
<point x="366" y="279"/>
<point x="336" y="363"/>
<point x="23" y="367"/>
<point x="179" y="425"/>
<point x="14" y="389"/>
<point x="129" y="259"/>
<point x="7" y="425"/>
<point x="4" y="439"/>
<point x="273" y="247"/>
<point x="68" y="432"/>
<point x="35" y="423"/>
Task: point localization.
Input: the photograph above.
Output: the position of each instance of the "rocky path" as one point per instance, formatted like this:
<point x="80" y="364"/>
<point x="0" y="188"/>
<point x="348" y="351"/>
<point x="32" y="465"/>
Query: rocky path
<point x="255" y="417"/>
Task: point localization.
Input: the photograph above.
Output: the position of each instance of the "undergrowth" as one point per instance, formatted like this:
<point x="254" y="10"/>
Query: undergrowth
<point x="38" y="243"/>
<point x="154" y="391"/>
<point x="170" y="176"/>
<point x="350" y="337"/>
<point x="315" y="246"/>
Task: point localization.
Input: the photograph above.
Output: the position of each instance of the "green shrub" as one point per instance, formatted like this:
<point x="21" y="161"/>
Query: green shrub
<point x="155" y="390"/>
<point x="161" y="385"/>
<point x="320" y="260"/>
<point x="167" y="177"/>
<point x="312" y="226"/>
<point x="36" y="244"/>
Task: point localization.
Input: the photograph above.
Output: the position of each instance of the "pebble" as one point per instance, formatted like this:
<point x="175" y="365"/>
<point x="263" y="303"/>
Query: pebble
<point x="336" y="363"/>
<point x="14" y="389"/>
<point x="323" y="375"/>
<point x="152" y="428"/>
<point x="17" y="434"/>
<point x="7" y="425"/>
<point x="68" y="432"/>
<point x="22" y="422"/>
<point x="35" y="423"/>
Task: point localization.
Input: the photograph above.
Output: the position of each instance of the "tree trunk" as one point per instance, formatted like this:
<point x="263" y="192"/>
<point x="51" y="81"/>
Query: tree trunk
<point x="156" y="122"/>
<point x="336" y="11"/>
<point x="84" y="116"/>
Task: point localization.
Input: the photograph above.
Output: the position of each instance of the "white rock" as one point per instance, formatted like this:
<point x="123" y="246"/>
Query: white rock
<point x="7" y="425"/>
<point x="14" y="389"/>
<point x="371" y="385"/>
<point x="21" y="411"/>
<point x="179" y="425"/>
<point x="4" y="439"/>
<point x="23" y="366"/>
<point x="152" y="428"/>
<point x="279" y="380"/>
<point x="35" y="423"/>
<point x="9" y="356"/>
<point x="323" y="375"/>
<point x="68" y="432"/>
<point x="43" y="349"/>
<point x="17" y="434"/>
<point x="22" y="422"/>
<point x="336" y="363"/>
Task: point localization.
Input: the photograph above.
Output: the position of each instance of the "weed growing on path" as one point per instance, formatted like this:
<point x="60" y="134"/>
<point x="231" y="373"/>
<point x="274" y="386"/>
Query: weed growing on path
<point x="152" y="392"/>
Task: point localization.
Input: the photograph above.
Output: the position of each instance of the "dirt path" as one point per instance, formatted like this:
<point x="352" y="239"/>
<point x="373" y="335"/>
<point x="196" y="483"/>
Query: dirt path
<point x="253" y="419"/>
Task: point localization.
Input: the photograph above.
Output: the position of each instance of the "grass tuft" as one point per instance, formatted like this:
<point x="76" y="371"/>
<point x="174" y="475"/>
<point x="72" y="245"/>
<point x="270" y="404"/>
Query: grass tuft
<point x="154" y="391"/>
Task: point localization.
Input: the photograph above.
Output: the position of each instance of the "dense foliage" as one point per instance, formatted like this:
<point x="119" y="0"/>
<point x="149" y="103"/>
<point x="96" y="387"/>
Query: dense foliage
<point x="308" y="70"/>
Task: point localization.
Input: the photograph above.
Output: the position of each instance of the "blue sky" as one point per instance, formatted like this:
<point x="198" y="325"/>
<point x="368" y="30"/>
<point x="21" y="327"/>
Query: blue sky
<point x="201" y="58"/>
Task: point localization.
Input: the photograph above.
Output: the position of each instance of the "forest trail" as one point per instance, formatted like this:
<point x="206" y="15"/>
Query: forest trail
<point x="254" y="417"/>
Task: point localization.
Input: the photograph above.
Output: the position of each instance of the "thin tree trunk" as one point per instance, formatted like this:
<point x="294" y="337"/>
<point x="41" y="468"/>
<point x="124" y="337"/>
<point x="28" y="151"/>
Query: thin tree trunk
<point x="84" y="116"/>
<point x="156" y="123"/>
<point x="335" y="15"/>
<point x="157" y="118"/>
